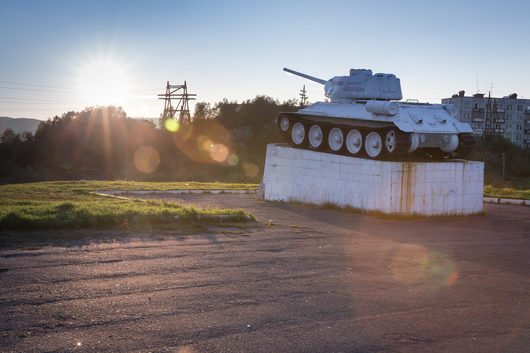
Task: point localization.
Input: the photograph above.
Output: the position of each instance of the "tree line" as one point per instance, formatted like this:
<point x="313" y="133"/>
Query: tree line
<point x="224" y="141"/>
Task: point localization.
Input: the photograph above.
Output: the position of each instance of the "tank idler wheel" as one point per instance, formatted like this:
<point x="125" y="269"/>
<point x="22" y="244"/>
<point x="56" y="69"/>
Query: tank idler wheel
<point x="284" y="124"/>
<point x="354" y="141"/>
<point x="373" y="144"/>
<point x="316" y="137"/>
<point x="335" y="139"/>
<point x="298" y="134"/>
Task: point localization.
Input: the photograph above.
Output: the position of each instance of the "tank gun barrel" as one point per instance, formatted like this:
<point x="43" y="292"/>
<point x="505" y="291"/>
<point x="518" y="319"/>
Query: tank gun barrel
<point x="315" y="79"/>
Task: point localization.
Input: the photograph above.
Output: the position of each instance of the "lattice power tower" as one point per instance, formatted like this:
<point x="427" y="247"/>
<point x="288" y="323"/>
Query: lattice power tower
<point x="176" y="102"/>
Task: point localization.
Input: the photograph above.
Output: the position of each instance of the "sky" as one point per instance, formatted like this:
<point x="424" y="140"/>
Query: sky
<point x="58" y="56"/>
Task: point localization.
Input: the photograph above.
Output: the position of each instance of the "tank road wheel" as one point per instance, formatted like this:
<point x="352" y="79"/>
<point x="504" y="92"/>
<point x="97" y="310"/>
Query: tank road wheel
<point x="354" y="141"/>
<point x="391" y="140"/>
<point x="373" y="144"/>
<point x="284" y="124"/>
<point x="315" y="136"/>
<point x="335" y="139"/>
<point x="298" y="134"/>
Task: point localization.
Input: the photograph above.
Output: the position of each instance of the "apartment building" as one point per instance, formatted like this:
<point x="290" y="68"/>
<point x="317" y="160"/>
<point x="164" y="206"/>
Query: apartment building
<point x="507" y="116"/>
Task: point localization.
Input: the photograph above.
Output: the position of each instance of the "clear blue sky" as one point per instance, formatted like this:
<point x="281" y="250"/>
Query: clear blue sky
<point x="237" y="49"/>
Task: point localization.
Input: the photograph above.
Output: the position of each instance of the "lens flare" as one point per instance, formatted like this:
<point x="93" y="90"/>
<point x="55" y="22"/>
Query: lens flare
<point x="205" y="144"/>
<point x="146" y="159"/>
<point x="250" y="169"/>
<point x="197" y="141"/>
<point x="409" y="264"/>
<point x="183" y="133"/>
<point x="219" y="152"/>
<point x="232" y="160"/>
<point x="451" y="279"/>
<point x="414" y="264"/>
<point x="172" y="125"/>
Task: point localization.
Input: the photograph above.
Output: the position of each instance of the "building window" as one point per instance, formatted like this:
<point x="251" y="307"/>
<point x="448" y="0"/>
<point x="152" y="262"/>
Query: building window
<point x="509" y="107"/>
<point x="466" y="105"/>
<point x="519" y="108"/>
<point x="466" y="116"/>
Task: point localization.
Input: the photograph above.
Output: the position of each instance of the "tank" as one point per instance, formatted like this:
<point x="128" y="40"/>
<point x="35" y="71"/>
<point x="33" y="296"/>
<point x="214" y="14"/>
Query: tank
<point x="364" y="117"/>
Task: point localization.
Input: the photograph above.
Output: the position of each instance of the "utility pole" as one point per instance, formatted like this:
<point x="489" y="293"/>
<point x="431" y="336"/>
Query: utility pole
<point x="488" y="117"/>
<point x="303" y="97"/>
<point x="178" y="94"/>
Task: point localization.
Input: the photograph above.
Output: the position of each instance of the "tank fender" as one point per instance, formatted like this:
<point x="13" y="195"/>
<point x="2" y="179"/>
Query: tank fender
<point x="382" y="107"/>
<point x="462" y="127"/>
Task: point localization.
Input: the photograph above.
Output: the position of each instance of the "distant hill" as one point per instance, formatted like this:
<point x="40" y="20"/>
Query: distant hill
<point x="19" y="124"/>
<point x="153" y="120"/>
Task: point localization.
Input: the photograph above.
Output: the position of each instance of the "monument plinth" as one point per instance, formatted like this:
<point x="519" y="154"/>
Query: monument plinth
<point x="453" y="187"/>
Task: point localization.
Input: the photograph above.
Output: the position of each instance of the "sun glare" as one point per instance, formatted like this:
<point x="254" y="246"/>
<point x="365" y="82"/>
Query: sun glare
<point x="103" y="81"/>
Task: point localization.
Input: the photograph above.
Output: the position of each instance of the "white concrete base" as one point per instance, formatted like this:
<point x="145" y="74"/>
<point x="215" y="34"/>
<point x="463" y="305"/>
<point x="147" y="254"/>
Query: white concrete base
<point x="406" y="188"/>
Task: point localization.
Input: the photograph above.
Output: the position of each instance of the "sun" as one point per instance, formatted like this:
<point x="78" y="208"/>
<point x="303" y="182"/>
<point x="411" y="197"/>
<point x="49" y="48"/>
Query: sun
<point x="103" y="81"/>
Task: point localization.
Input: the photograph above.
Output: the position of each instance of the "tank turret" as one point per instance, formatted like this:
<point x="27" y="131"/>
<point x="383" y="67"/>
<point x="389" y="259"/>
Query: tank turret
<point x="361" y="84"/>
<point x="362" y="117"/>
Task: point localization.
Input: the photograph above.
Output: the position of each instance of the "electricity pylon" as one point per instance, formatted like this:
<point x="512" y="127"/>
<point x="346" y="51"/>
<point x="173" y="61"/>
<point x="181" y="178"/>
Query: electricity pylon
<point x="176" y="102"/>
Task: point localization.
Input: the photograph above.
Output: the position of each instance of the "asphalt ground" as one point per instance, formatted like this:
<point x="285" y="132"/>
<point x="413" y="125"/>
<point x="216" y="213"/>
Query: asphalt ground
<point x="300" y="280"/>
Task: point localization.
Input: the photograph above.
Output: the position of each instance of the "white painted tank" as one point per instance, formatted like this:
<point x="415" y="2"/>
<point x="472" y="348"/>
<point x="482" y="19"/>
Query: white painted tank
<point x="363" y="117"/>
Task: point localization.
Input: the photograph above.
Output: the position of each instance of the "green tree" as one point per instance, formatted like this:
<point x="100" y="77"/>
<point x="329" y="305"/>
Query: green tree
<point x="203" y="111"/>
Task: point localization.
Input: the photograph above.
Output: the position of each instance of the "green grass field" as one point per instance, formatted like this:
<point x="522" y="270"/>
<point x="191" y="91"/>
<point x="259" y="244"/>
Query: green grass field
<point x="72" y="204"/>
<point x="508" y="193"/>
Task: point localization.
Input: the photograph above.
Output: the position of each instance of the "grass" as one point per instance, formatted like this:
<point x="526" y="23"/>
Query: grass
<point x="71" y="204"/>
<point x="509" y="193"/>
<point x="94" y="185"/>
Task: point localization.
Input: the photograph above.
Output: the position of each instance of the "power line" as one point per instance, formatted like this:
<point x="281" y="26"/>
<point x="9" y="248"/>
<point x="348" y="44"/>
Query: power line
<point x="32" y="89"/>
<point x="40" y="110"/>
<point x="33" y="84"/>
<point x="36" y="99"/>
<point x="24" y="103"/>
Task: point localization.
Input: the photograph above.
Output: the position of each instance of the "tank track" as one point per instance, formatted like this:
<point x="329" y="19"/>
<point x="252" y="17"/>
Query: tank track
<point x="466" y="142"/>
<point x="403" y="142"/>
<point x="403" y="139"/>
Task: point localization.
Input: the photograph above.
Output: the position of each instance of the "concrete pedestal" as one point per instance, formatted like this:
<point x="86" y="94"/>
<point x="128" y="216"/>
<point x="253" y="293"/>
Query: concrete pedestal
<point x="406" y="188"/>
